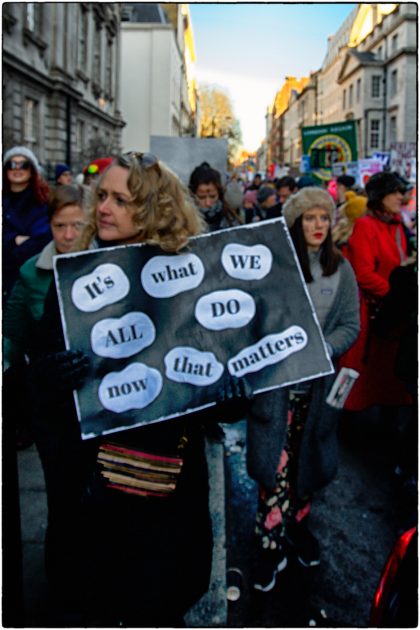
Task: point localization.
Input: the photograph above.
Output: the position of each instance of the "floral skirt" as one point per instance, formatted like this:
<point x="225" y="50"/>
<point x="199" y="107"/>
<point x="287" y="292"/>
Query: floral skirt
<point x="280" y="505"/>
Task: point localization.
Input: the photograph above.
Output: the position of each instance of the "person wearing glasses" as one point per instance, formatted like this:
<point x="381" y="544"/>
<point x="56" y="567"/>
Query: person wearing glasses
<point x="122" y="558"/>
<point x="26" y="228"/>
<point x="66" y="215"/>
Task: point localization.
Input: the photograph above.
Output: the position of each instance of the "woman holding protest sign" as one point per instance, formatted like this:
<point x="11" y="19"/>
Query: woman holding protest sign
<point x="144" y="548"/>
<point x="292" y="449"/>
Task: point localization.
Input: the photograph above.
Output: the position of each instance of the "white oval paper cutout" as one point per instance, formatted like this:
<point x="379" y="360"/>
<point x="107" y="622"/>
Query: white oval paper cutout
<point x="247" y="262"/>
<point x="269" y="350"/>
<point x="135" y="387"/>
<point x="219" y="310"/>
<point x="105" y="285"/>
<point x="188" y="365"/>
<point x="122" y="337"/>
<point x="166" y="276"/>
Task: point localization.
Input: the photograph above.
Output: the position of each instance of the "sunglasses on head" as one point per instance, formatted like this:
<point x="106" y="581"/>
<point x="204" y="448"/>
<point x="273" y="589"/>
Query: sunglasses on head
<point x="12" y="165"/>
<point x="145" y="160"/>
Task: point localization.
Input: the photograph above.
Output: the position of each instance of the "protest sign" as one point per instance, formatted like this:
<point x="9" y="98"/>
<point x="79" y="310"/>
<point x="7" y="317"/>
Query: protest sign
<point x="367" y="168"/>
<point x="162" y="329"/>
<point x="328" y="144"/>
<point x="182" y="155"/>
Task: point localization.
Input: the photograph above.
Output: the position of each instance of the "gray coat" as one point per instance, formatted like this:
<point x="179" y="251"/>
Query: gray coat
<point x="267" y="419"/>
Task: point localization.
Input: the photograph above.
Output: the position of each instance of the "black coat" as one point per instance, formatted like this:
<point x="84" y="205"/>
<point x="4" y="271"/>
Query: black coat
<point x="144" y="561"/>
<point x="22" y="215"/>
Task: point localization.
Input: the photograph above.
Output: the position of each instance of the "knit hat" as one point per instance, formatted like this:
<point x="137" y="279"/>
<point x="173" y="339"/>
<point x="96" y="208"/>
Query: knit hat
<point x="355" y="207"/>
<point x="305" y="199"/>
<point x="349" y="194"/>
<point x="14" y="151"/>
<point x="250" y="196"/>
<point x="98" y="165"/>
<point x="264" y="193"/>
<point x="233" y="195"/>
<point x="380" y="185"/>
<point x="346" y="180"/>
<point x="60" y="169"/>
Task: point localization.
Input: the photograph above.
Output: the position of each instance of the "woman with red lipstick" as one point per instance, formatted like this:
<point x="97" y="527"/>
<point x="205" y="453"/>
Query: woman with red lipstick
<point x="292" y="446"/>
<point x="122" y="558"/>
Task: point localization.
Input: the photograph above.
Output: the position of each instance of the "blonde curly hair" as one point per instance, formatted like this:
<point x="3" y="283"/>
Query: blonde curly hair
<point x="163" y="209"/>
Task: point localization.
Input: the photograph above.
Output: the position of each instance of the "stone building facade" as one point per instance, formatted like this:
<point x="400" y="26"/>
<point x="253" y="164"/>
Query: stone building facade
<point x="277" y="138"/>
<point x="301" y="112"/>
<point x="369" y="75"/>
<point x="378" y="79"/>
<point x="60" y="80"/>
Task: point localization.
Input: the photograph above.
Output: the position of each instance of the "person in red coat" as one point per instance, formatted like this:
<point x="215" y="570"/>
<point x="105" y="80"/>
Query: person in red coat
<point x="376" y="248"/>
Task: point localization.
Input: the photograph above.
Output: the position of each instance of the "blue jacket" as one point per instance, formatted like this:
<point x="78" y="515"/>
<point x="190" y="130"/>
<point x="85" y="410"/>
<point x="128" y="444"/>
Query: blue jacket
<point x="22" y="214"/>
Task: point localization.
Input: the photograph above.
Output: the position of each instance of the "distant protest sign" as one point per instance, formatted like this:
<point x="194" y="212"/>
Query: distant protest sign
<point x="162" y="330"/>
<point x="327" y="145"/>
<point x="182" y="155"/>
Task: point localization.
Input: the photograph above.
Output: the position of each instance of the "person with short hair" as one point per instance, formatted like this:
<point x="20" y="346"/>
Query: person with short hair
<point x="291" y="432"/>
<point x="25" y="305"/>
<point x="344" y="184"/>
<point x="268" y="204"/>
<point x="66" y="215"/>
<point x="285" y="187"/>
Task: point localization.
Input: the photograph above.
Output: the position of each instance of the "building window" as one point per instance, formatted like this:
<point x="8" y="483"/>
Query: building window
<point x="96" y="57"/>
<point x="376" y="86"/>
<point x="358" y="90"/>
<point x="108" y="68"/>
<point x="379" y="53"/>
<point x="83" y="39"/>
<point x="344" y="99"/>
<point x="394" y="43"/>
<point x="80" y="136"/>
<point x="374" y="134"/>
<point x="30" y="122"/>
<point x="393" y="129"/>
<point x="394" y="82"/>
<point x="351" y="96"/>
<point x="33" y="18"/>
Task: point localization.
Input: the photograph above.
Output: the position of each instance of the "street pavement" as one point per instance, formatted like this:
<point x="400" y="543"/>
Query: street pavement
<point x="356" y="519"/>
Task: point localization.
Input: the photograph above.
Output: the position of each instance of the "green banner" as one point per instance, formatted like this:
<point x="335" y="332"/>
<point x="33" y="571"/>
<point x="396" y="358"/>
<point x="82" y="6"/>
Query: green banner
<point x="328" y="144"/>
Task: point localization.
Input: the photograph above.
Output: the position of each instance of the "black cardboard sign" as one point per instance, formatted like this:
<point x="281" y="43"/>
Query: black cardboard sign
<point x="161" y="329"/>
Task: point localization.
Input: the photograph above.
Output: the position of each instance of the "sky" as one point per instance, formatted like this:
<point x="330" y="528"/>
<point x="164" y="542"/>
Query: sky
<point x="249" y="48"/>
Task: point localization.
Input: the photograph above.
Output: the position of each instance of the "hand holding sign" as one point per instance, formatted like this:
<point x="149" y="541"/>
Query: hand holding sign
<point x="164" y="330"/>
<point x="61" y="371"/>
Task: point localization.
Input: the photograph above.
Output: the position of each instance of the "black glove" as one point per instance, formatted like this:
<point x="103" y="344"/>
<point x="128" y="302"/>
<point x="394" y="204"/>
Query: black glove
<point x="60" y="372"/>
<point x="233" y="398"/>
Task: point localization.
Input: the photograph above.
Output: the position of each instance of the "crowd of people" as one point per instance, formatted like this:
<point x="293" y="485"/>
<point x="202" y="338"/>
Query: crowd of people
<point x="115" y="558"/>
